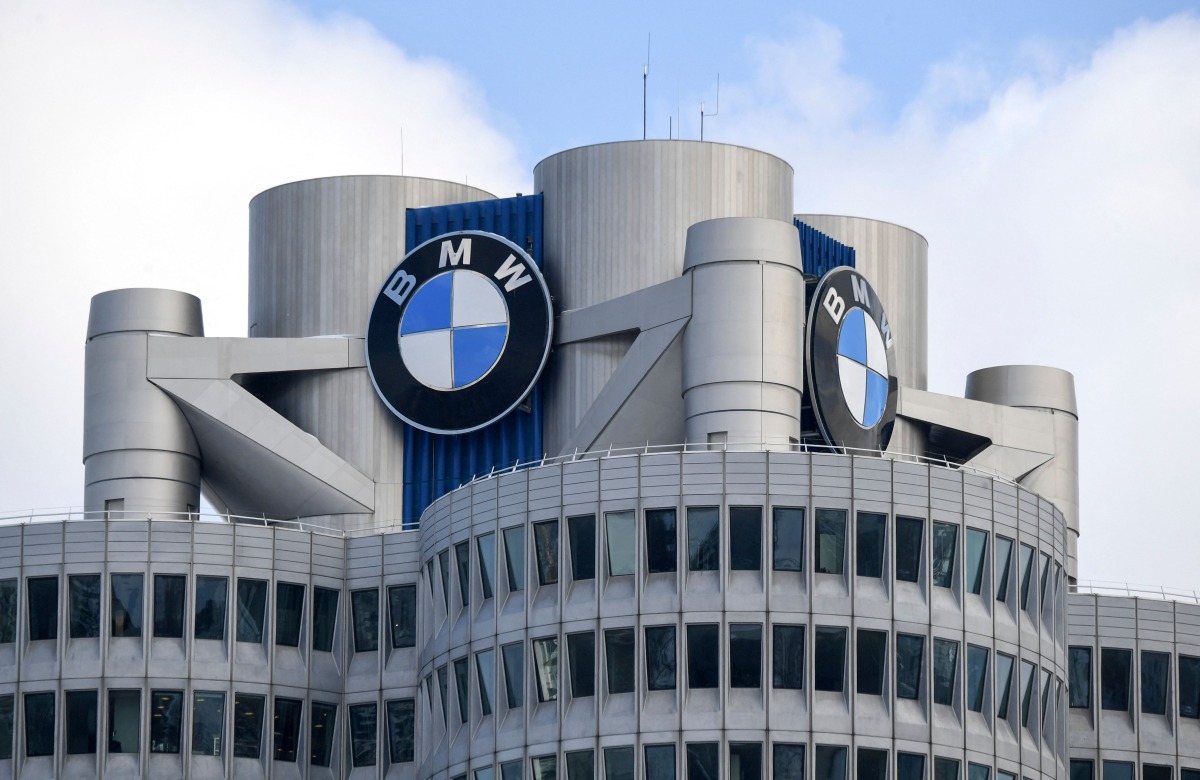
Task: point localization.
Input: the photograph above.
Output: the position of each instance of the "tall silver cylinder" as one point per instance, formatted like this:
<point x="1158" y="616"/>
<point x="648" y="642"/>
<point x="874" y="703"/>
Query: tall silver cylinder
<point x="139" y="454"/>
<point x="616" y="220"/>
<point x="1051" y="391"/>
<point x="743" y="348"/>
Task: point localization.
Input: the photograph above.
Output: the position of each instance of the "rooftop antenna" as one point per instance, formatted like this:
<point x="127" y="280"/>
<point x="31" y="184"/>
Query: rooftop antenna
<point x="715" y="110"/>
<point x="645" y="76"/>
<point x="401" y="150"/>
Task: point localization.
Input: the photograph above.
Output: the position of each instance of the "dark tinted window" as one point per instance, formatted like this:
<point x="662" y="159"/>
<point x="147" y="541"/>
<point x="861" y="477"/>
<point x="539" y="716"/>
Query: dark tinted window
<point x="977" y="663"/>
<point x="619" y="659"/>
<point x="703" y="761"/>
<point x="945" y="670"/>
<point x="363" y="730"/>
<point x="872" y="659"/>
<point x="544" y="767"/>
<point x="1082" y="769"/>
<point x="872" y="764"/>
<point x="745" y="655"/>
<point x="1004" y="669"/>
<point x="248" y="713"/>
<point x="910" y="533"/>
<point x="545" y="668"/>
<point x="444" y="569"/>
<point x="945" y="539"/>
<point x="581" y="765"/>
<point x="8" y="611"/>
<point x="660" y="762"/>
<point x="787" y="538"/>
<point x="212" y="594"/>
<point x="1026" y="574"/>
<point x="830" y="651"/>
<point x="978" y="771"/>
<point x="286" y="730"/>
<point x="510" y="770"/>
<point x="1080" y="674"/>
<point x="618" y="763"/>
<point x="787" y="657"/>
<point x="945" y="768"/>
<point x="662" y="545"/>
<point x="85" y="605"/>
<point x="513" y="656"/>
<point x="462" y="687"/>
<point x="170" y="593"/>
<point x="704" y="538"/>
<point x="745" y="761"/>
<point x="1028" y="680"/>
<point x="830" y="762"/>
<point x="870" y="533"/>
<point x="462" y="566"/>
<point x="581" y="659"/>
<point x="325" y="603"/>
<point x="43" y="612"/>
<point x="1003" y="566"/>
<point x="1117" y="770"/>
<point x="320" y="733"/>
<point x="1156" y="668"/>
<point x="976" y="556"/>
<point x="485" y="547"/>
<point x="166" y="721"/>
<point x="1189" y="774"/>
<point x="251" y="610"/>
<point x="485" y="670"/>
<point x="1189" y="686"/>
<point x="704" y="653"/>
<point x="787" y="761"/>
<point x="910" y="766"/>
<point x="402" y="609"/>
<point x="364" y="604"/>
<point x="745" y="538"/>
<point x="82" y="710"/>
<point x="830" y="549"/>
<point x="39" y="720"/>
<point x="910" y="651"/>
<point x="582" y="530"/>
<point x="1114" y="678"/>
<point x="514" y="557"/>
<point x="1156" y="772"/>
<point x="208" y="723"/>
<point x="400" y="714"/>
<point x="289" y="609"/>
<point x="124" y="721"/>
<point x="660" y="658"/>
<point x="545" y="548"/>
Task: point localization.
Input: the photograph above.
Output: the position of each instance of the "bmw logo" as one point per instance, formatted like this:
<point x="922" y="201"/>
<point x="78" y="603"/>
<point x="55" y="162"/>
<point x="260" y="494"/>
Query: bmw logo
<point x="851" y="361"/>
<point x="459" y="333"/>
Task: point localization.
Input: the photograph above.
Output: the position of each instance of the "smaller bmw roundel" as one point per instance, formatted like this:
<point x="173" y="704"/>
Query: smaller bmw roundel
<point x="459" y="333"/>
<point x="851" y="362"/>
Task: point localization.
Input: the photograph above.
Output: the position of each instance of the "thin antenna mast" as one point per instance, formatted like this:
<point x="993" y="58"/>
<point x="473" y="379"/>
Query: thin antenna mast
<point x="401" y="150"/>
<point x="645" y="76"/>
<point x="715" y="111"/>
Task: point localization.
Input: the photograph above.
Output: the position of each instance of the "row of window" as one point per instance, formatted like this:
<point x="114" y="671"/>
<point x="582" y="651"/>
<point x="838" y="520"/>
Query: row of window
<point x="127" y="610"/>
<point x="209" y="722"/>
<point x="1085" y="769"/>
<point x="1016" y="565"/>
<point x="1116" y="680"/>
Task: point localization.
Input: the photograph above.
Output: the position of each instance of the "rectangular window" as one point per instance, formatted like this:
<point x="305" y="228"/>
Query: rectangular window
<point x="1189" y="686"/>
<point x="462" y="682"/>
<point x="1047" y="679"/>
<point x="945" y="768"/>
<point x="945" y="670"/>
<point x="1004" y="669"/>
<point x="43" y="611"/>
<point x="510" y="770"/>
<point x="660" y="658"/>
<point x="1044" y="581"/>
<point x="286" y="731"/>
<point x="289" y="609"/>
<point x="364" y="604"/>
<point x="910" y="766"/>
<point x="872" y="764"/>
<point x="945" y="540"/>
<point x="166" y="721"/>
<point x="1156" y="772"/>
<point x="124" y="721"/>
<point x="39" y="718"/>
<point x="251" y="609"/>
<point x="787" y="761"/>
<point x="745" y="655"/>
<point x="320" y="733"/>
<point x="462" y="564"/>
<point x="1079" y="672"/>
<point x="82" y="713"/>
<point x="85" y="605"/>
<point x="1081" y="769"/>
<point x="513" y="656"/>
<point x="978" y="771"/>
<point x="976" y="555"/>
<point x="1115" y="664"/>
<point x="248" y="713"/>
<point x="830" y="762"/>
<point x="704" y="538"/>
<point x="745" y="761"/>
<point x="544" y="767"/>
<point x="1116" y="770"/>
<point x="581" y="765"/>
<point x="514" y="557"/>
<point x="545" y="549"/>
<point x="400" y="717"/>
<point x="211" y="596"/>
<point x="1003" y="565"/>
<point x="787" y="538"/>
<point x="871" y="662"/>
<point x="485" y="548"/>
<point x="870" y="542"/>
<point x="829" y="647"/>
<point x="910" y="660"/>
<point x="402" y="608"/>
<point x="324" y="618"/>
<point x="581" y="658"/>
<point x="8" y="611"/>
<point x="662" y="541"/>
<point x="977" y="664"/>
<point x="660" y="762"/>
<point x="582" y="530"/>
<point x="1026" y="574"/>
<point x="1156" y="667"/>
<point x="910" y="535"/>
<point x="444" y="692"/>
<point x="170" y="595"/>
<point x="1028" y="680"/>
<point x="443" y="558"/>
<point x="704" y="653"/>
<point x="831" y="541"/>
<point x="703" y="760"/>
<point x="619" y="660"/>
<point x="745" y="538"/>
<point x="1189" y="774"/>
<point x="787" y="657"/>
<point x="363" y="731"/>
<point x="545" y="664"/>
<point x="485" y="671"/>
<point x="621" y="534"/>
<point x="618" y="763"/>
<point x="208" y="723"/>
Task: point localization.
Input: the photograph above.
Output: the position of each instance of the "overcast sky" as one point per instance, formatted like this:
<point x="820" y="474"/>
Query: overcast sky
<point x="1052" y="159"/>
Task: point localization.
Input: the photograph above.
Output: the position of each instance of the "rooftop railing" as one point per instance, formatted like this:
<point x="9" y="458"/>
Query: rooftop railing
<point x="1132" y="590"/>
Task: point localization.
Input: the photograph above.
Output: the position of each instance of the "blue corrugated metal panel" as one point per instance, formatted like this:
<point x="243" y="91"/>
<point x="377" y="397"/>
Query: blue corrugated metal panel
<point x="820" y="253"/>
<point x="435" y="464"/>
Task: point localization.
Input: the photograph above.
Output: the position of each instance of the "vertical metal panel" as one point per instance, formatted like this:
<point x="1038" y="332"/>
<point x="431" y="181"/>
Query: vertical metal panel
<point x="820" y="252"/>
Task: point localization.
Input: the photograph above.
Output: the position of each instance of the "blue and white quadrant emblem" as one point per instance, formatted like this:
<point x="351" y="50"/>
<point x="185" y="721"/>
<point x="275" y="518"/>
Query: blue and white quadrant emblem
<point x="862" y="368"/>
<point x="454" y="330"/>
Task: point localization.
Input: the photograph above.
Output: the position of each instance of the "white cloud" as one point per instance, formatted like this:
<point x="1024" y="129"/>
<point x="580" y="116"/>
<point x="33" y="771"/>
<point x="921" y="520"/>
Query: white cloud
<point x="1061" y="207"/>
<point x="135" y="134"/>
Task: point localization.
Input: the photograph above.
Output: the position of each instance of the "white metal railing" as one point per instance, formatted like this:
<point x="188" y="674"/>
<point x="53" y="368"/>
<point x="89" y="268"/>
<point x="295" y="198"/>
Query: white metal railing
<point x="1133" y="590"/>
<point x="75" y="514"/>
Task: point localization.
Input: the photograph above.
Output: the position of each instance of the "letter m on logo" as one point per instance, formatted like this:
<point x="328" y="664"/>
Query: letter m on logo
<point x="453" y="256"/>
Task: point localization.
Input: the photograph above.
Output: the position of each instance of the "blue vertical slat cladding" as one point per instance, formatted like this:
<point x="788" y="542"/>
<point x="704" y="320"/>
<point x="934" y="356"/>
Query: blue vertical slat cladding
<point x="435" y="464"/>
<point x="821" y="254"/>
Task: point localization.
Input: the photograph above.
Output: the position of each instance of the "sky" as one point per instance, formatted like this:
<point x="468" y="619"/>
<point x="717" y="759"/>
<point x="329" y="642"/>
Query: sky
<point x="1050" y="156"/>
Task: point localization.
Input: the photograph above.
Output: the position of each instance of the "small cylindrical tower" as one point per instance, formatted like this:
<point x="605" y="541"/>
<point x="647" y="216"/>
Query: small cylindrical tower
<point x="743" y="348"/>
<point x="139" y="454"/>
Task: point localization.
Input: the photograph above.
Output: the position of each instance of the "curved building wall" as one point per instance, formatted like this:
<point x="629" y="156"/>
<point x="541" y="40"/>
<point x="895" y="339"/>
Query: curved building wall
<point x="523" y="567"/>
<point x="615" y="221"/>
<point x="319" y="252"/>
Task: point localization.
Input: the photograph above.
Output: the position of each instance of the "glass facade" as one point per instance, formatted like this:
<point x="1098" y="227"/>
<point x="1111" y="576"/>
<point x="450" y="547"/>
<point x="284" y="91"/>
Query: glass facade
<point x="945" y="542"/>
<point x="485" y="548"/>
<point x="208" y="723"/>
<point x="945" y="670"/>
<point x="619" y="656"/>
<point x="124" y="721"/>
<point x="910" y="660"/>
<point x="830" y="548"/>
<point x="830" y="658"/>
<point x="745" y="538"/>
<point x="324" y="619"/>
<point x="581" y="663"/>
<point x="660" y="762"/>
<point x="870" y="543"/>
<point x="8" y="611"/>
<point x="212" y="594"/>
<point x="787" y="538"/>
<point x="703" y="761"/>
<point x="82" y="716"/>
<point x="662" y="541"/>
<point x="321" y="733"/>
<point x="43" y="608"/>
<point x="977" y="667"/>
<point x="514" y="557"/>
<point x="704" y="653"/>
<point x="401" y="715"/>
<point x="871" y="652"/>
<point x="745" y="761"/>
<point x="513" y="656"/>
<point x="39" y="722"/>
<point x="582" y="532"/>
<point x="1189" y="686"/>
<point x="251" y="610"/>
<point x="787" y="657"/>
<point x="85" y="605"/>
<point x="485" y="669"/>
<point x="830" y="762"/>
<point x="545" y="664"/>
<point x="364" y="606"/>
<point x="1156" y="671"/>
<point x="704" y="538"/>
<point x="1115" y="678"/>
<point x="248" y="711"/>
<point x="166" y="721"/>
<point x="363" y="734"/>
<point x="787" y="761"/>
<point x="462" y="565"/>
<point x="1079" y="670"/>
<point x="910" y="532"/>
<point x="402" y="611"/>
<point x="618" y="763"/>
<point x="976" y="556"/>
<point x="745" y="655"/>
<point x="286" y="728"/>
<point x="545" y="548"/>
<point x="289" y="613"/>
<point x="170" y="595"/>
<point x="660" y="658"/>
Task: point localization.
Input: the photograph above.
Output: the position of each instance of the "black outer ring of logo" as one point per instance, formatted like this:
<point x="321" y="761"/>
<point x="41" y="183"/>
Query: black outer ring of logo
<point x="837" y="425"/>
<point x="530" y="322"/>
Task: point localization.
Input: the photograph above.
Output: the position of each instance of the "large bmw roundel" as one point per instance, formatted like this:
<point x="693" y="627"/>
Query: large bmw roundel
<point x="851" y="363"/>
<point x="460" y="332"/>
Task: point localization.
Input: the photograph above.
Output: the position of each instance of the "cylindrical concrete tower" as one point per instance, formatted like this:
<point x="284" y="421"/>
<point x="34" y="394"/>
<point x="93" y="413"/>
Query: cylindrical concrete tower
<point x="616" y="220"/>
<point x="319" y="252"/>
<point x="139" y="454"/>
<point x="743" y="352"/>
